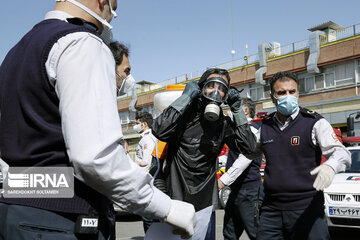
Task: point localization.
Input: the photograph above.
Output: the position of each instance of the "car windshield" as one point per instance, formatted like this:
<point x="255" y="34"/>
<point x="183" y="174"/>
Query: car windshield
<point x="355" y="161"/>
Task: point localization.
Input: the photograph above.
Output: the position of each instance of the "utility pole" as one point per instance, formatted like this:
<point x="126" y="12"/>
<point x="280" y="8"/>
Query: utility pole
<point x="232" y="34"/>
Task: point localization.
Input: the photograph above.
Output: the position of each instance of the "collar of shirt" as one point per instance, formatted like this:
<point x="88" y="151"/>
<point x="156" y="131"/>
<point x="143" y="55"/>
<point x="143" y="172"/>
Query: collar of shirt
<point x="57" y="15"/>
<point x="291" y="118"/>
<point x="147" y="131"/>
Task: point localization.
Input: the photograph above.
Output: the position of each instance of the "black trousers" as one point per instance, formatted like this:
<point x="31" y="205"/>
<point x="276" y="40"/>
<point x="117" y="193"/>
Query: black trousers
<point x="304" y="224"/>
<point x="240" y="211"/>
<point x="22" y="223"/>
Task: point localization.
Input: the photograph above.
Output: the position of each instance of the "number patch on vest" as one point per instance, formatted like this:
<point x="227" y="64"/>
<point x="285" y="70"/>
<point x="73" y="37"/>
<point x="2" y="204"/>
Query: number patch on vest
<point x="87" y="224"/>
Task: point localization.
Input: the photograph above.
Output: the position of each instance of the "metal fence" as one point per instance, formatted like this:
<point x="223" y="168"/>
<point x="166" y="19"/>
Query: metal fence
<point x="285" y="49"/>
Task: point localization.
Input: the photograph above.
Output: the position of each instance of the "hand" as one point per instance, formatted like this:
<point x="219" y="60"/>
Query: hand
<point x="234" y="99"/>
<point x="221" y="185"/>
<point x="192" y="89"/>
<point x="182" y="216"/>
<point x="142" y="164"/>
<point x="325" y="175"/>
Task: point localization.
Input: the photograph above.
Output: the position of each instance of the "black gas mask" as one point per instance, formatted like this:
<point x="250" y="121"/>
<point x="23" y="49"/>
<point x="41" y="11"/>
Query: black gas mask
<point x="215" y="92"/>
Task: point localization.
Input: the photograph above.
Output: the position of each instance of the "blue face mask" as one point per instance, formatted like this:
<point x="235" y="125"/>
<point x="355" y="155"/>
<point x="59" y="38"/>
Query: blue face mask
<point x="287" y="105"/>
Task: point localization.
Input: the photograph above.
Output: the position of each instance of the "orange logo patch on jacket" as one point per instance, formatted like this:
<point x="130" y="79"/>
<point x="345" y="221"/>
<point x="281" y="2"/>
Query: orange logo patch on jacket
<point x="334" y="136"/>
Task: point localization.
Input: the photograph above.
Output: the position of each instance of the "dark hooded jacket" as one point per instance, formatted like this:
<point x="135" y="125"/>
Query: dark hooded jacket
<point x="193" y="147"/>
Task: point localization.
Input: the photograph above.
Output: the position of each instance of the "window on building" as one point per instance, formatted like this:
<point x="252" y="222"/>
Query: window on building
<point x="267" y="91"/>
<point x="256" y="92"/>
<point x="132" y="117"/>
<point x="309" y="83"/>
<point x="319" y="81"/>
<point x="329" y="79"/>
<point x="124" y="117"/>
<point x="301" y="85"/>
<point x="345" y="73"/>
<point x="357" y="71"/>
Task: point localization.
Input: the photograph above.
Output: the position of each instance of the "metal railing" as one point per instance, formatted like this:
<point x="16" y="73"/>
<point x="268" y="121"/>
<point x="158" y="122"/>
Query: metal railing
<point x="285" y="49"/>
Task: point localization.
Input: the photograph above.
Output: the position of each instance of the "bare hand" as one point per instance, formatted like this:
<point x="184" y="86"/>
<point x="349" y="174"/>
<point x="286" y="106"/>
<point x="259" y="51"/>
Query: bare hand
<point x="142" y="164"/>
<point x="221" y="185"/>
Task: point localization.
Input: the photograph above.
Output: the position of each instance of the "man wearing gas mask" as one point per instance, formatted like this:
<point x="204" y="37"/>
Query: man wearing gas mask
<point x="59" y="109"/>
<point x="196" y="129"/>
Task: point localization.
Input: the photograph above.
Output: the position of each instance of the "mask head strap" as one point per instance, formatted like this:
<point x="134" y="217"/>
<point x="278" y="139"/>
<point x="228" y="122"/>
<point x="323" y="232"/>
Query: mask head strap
<point x="91" y="12"/>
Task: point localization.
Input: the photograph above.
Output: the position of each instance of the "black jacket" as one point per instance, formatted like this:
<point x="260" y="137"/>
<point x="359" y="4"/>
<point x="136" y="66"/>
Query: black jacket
<point x="194" y="145"/>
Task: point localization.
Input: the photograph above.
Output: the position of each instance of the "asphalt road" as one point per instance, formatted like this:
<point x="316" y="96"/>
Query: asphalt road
<point x="130" y="228"/>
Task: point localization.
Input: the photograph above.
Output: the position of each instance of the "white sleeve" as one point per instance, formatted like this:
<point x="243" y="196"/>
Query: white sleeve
<point x="82" y="69"/>
<point x="338" y="157"/>
<point x="241" y="162"/>
<point x="238" y="167"/>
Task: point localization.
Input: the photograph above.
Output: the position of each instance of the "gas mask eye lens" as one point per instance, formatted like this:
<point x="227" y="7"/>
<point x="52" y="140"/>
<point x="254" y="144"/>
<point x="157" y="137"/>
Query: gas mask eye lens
<point x="215" y="95"/>
<point x="215" y="91"/>
<point x="211" y="85"/>
<point x="222" y="89"/>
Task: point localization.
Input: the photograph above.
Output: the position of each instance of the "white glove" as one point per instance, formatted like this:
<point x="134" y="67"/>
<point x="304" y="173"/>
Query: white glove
<point x="182" y="216"/>
<point x="325" y="175"/>
<point x="4" y="167"/>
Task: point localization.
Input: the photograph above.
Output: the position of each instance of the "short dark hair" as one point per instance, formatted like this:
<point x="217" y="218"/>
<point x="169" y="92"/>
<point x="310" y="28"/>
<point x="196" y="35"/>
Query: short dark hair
<point x="280" y="76"/>
<point x="118" y="50"/>
<point x="145" y="117"/>
<point x="247" y="102"/>
<point x="210" y="71"/>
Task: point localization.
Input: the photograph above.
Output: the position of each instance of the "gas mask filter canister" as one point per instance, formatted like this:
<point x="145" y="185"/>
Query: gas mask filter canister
<point x="212" y="112"/>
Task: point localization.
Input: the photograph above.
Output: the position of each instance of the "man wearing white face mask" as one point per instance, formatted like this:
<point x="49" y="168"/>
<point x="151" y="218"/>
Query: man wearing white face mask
<point x="144" y="148"/>
<point x="124" y="80"/>
<point x="292" y="140"/>
<point x="147" y="142"/>
<point x="58" y="108"/>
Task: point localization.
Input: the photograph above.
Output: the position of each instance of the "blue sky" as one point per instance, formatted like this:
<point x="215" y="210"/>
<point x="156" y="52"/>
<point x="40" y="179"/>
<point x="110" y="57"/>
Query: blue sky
<point x="168" y="38"/>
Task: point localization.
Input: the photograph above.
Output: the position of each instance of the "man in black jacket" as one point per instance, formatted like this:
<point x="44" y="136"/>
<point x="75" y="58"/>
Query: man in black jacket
<point x="196" y="130"/>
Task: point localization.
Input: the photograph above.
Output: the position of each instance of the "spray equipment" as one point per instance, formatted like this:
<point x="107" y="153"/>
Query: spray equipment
<point x="164" y="99"/>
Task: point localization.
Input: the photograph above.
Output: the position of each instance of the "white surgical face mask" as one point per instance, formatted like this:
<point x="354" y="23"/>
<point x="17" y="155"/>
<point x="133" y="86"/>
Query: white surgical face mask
<point x="126" y="85"/>
<point x="106" y="34"/>
<point x="138" y="128"/>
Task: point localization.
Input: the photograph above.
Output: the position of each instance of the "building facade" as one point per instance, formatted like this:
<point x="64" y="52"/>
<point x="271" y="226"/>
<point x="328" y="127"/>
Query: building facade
<point x="327" y="65"/>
